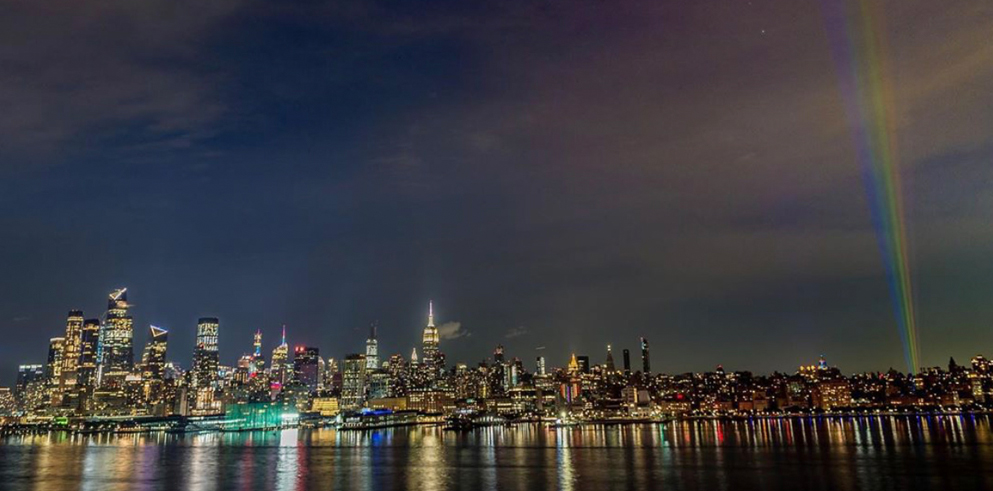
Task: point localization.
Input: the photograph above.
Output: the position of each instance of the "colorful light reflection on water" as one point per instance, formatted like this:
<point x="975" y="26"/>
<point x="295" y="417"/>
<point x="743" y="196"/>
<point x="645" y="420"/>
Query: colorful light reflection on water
<point x="806" y="453"/>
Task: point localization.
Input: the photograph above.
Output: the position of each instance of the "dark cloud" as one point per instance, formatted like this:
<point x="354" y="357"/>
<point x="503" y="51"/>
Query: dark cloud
<point x="108" y="75"/>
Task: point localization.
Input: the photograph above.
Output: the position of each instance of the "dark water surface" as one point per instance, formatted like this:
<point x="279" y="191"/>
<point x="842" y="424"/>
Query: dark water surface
<point x="950" y="452"/>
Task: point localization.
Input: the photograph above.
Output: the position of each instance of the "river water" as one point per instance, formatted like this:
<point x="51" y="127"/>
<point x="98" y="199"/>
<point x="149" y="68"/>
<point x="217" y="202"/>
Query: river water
<point x="879" y="453"/>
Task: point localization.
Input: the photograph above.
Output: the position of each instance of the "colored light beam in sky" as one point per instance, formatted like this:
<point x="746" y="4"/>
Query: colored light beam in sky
<point x="858" y="43"/>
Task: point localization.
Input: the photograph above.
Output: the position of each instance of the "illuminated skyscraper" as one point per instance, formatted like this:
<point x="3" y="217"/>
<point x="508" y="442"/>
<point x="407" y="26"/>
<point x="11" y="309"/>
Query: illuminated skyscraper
<point x="27" y="375"/>
<point x="53" y="369"/>
<point x="646" y="366"/>
<point x="353" y="382"/>
<point x="540" y="366"/>
<point x="258" y="361"/>
<point x="573" y="367"/>
<point x="205" y="355"/>
<point x="429" y="341"/>
<point x="31" y="389"/>
<point x="280" y="358"/>
<point x="609" y="363"/>
<point x="372" y="349"/>
<point x="627" y="361"/>
<point x="306" y="366"/>
<point x="86" y="373"/>
<point x="511" y="374"/>
<point x="153" y="361"/>
<point x="71" y="350"/>
<point x="584" y="363"/>
<point x="115" y="350"/>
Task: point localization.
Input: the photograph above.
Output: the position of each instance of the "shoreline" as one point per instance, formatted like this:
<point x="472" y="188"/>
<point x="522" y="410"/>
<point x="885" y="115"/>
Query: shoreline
<point x="11" y="430"/>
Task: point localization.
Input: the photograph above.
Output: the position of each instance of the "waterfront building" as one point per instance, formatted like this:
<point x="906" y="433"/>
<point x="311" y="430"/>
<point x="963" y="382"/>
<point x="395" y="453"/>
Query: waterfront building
<point x="390" y="403"/>
<point x="327" y="407"/>
<point x="378" y="384"/>
<point x="432" y="401"/>
<point x="8" y="405"/>
<point x="28" y="375"/>
<point x="31" y="389"/>
<point x="353" y="388"/>
<point x="258" y="416"/>
<point x="831" y="394"/>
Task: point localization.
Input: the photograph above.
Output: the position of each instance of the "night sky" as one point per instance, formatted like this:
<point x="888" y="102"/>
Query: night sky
<point x="558" y="174"/>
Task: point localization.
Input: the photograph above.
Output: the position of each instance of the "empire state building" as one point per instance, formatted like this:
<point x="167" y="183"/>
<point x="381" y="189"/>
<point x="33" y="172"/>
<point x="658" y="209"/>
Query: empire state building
<point x="429" y="341"/>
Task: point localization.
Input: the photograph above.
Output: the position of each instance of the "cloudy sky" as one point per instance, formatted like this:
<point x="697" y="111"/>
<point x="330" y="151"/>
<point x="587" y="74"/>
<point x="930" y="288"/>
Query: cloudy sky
<point x="558" y="174"/>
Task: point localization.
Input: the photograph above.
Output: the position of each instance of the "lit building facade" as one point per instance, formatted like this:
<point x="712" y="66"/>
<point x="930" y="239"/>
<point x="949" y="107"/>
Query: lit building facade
<point x="71" y="350"/>
<point x="353" y="386"/>
<point x="53" y="368"/>
<point x="205" y="355"/>
<point x="372" y="349"/>
<point x="280" y="360"/>
<point x="306" y="367"/>
<point x="115" y="350"/>
<point x="429" y="341"/>
<point x="153" y="361"/>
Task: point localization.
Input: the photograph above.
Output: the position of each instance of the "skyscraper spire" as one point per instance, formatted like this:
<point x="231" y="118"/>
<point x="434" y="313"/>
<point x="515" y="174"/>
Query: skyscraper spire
<point x="284" y="334"/>
<point x="429" y="340"/>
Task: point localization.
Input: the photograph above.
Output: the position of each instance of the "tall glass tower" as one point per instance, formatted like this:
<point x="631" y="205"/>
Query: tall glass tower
<point x="205" y="355"/>
<point x="70" y="350"/>
<point x="115" y="351"/>
<point x="153" y="361"/>
<point x="372" y="349"/>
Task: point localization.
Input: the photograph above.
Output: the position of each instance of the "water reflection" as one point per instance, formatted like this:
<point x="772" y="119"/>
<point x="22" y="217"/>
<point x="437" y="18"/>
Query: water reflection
<point x="804" y="453"/>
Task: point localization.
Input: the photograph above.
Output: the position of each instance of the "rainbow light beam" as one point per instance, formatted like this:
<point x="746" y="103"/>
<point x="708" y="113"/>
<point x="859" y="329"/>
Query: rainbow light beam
<point x="857" y="37"/>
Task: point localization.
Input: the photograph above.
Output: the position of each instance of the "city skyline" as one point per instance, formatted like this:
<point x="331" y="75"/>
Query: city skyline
<point x="465" y="244"/>
<point x="258" y="345"/>
<point x="724" y="178"/>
